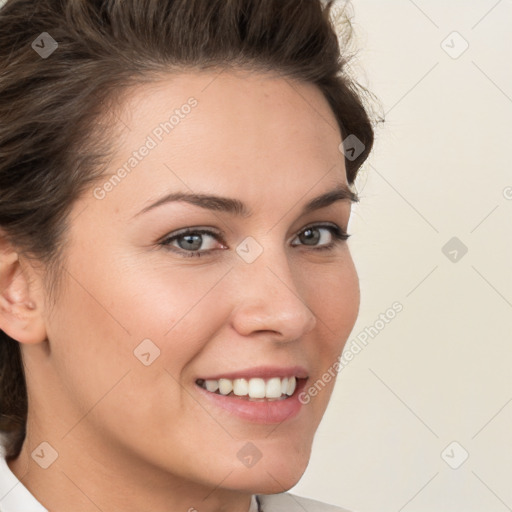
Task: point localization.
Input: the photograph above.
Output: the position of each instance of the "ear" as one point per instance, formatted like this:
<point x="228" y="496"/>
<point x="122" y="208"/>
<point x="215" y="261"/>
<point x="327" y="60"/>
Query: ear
<point x="21" y="297"/>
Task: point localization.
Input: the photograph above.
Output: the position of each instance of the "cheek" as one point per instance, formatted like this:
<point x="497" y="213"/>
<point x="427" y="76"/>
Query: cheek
<point x="176" y="308"/>
<point x="334" y="297"/>
<point x="123" y="341"/>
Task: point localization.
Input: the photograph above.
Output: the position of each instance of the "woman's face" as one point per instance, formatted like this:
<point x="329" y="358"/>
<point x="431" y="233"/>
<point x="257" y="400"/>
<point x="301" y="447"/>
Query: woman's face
<point x="147" y="314"/>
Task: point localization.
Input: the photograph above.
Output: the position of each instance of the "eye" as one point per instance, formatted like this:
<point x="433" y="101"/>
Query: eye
<point x="193" y="242"/>
<point x="321" y="236"/>
<point x="200" y="241"/>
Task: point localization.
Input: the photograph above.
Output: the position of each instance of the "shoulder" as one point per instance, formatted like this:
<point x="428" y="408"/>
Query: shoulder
<point x="286" y="502"/>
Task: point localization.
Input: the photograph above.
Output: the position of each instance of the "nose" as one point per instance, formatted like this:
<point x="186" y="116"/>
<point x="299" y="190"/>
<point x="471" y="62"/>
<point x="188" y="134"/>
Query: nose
<point x="268" y="300"/>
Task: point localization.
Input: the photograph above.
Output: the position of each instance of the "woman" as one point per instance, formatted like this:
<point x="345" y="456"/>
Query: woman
<point x="175" y="277"/>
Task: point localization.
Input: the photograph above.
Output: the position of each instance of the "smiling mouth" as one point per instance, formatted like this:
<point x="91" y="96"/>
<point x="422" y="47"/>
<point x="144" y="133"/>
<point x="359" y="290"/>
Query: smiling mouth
<point x="254" y="390"/>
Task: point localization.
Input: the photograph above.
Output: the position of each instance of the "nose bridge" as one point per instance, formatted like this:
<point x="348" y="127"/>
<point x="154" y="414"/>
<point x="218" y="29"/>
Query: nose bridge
<point x="269" y="299"/>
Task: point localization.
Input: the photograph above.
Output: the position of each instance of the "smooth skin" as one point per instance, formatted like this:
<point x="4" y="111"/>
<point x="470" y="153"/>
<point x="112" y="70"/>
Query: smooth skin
<point x="132" y="437"/>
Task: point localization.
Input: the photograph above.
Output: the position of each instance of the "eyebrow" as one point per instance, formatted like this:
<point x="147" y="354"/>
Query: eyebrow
<point x="238" y="208"/>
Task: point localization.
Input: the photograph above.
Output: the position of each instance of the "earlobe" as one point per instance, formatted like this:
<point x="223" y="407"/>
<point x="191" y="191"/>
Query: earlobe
<point x="21" y="300"/>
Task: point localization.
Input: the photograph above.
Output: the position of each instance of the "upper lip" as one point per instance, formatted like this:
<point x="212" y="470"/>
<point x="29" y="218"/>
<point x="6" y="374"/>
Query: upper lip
<point x="263" y="372"/>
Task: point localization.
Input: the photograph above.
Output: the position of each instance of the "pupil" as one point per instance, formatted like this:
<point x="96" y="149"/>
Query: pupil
<point x="191" y="241"/>
<point x="310" y="235"/>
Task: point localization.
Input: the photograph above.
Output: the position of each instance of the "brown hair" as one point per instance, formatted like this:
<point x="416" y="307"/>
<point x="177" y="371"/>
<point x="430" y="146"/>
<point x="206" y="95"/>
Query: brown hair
<point x="52" y="146"/>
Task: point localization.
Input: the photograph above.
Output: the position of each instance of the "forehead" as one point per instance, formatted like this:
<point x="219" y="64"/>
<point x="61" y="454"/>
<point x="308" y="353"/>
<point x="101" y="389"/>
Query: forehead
<point x="244" y="131"/>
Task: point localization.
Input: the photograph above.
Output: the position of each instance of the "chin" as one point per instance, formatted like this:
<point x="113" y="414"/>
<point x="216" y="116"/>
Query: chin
<point x="265" y="483"/>
<point x="278" y="473"/>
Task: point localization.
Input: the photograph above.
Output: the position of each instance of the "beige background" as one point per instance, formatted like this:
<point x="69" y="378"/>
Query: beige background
<point x="440" y="371"/>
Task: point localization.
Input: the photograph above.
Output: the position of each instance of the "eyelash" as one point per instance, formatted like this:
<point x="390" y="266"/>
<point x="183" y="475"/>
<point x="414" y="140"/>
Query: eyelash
<point x="338" y="234"/>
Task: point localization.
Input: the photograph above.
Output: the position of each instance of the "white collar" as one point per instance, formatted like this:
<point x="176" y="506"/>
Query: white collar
<point x="14" y="496"/>
<point x="254" y="505"/>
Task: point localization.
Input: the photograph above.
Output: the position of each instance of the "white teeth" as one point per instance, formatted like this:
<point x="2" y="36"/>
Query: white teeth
<point x="284" y="385"/>
<point x="225" y="386"/>
<point x="292" y="383"/>
<point x="212" y="385"/>
<point x="256" y="388"/>
<point x="240" y="387"/>
<point x="273" y="388"/>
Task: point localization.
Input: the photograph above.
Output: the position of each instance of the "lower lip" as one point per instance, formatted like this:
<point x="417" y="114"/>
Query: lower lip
<point x="265" y="412"/>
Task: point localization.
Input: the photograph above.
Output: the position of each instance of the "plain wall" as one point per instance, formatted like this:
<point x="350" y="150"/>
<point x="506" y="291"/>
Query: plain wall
<point x="440" y="371"/>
